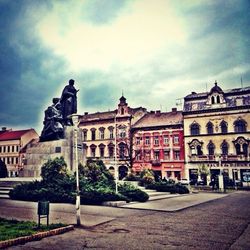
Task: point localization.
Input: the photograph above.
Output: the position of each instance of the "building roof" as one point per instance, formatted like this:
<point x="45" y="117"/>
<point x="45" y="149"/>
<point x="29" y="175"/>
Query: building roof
<point x="155" y="119"/>
<point x="13" y="135"/>
<point x="98" y="116"/>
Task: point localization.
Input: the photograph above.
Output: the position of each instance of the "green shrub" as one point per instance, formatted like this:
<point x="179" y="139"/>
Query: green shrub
<point x="3" y="170"/>
<point x="133" y="193"/>
<point x="131" y="177"/>
<point x="146" y="177"/>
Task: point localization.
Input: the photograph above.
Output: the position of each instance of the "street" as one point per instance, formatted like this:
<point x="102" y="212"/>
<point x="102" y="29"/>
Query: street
<point x="221" y="223"/>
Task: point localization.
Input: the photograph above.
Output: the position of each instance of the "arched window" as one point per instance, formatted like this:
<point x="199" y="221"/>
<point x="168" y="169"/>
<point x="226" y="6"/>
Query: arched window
<point x="212" y="100"/>
<point x="223" y="126"/>
<point x="224" y="148"/>
<point x="218" y="99"/>
<point x="211" y="148"/>
<point x="122" y="150"/>
<point x="240" y="126"/>
<point x="122" y="111"/>
<point x="195" y="129"/>
<point x="210" y="128"/>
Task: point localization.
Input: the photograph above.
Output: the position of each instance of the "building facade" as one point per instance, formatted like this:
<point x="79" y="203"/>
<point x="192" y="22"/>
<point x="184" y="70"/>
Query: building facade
<point x="107" y="135"/>
<point x="158" y="144"/>
<point x="12" y="148"/>
<point x="217" y="134"/>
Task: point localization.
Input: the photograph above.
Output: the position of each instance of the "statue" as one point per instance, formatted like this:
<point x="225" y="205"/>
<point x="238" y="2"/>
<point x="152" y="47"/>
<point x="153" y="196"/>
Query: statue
<point x="69" y="102"/>
<point x="53" y="127"/>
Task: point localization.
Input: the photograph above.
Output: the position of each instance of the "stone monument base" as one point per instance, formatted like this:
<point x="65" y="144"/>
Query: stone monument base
<point x="38" y="153"/>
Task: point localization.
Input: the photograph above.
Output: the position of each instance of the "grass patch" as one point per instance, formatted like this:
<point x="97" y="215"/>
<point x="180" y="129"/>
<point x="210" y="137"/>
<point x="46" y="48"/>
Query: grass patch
<point x="10" y="229"/>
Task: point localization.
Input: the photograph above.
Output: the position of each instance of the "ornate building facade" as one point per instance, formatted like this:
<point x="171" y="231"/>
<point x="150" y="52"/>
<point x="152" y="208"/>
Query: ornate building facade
<point x="158" y="144"/>
<point x="217" y="133"/>
<point x="107" y="135"/>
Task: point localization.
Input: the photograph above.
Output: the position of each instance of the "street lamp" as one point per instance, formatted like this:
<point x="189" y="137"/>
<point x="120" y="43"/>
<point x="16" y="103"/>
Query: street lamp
<point x="75" y="120"/>
<point x="116" y="170"/>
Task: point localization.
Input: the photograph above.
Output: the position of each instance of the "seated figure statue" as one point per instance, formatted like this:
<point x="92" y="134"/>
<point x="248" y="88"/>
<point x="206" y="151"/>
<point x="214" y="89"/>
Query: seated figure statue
<point x="53" y="128"/>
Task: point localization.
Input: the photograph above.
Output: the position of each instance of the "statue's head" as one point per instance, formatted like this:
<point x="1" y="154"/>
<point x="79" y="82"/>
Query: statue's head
<point x="71" y="82"/>
<point x="55" y="100"/>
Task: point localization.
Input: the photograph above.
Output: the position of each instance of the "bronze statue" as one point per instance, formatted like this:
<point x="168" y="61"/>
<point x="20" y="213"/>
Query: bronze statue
<point x="53" y="127"/>
<point x="69" y="102"/>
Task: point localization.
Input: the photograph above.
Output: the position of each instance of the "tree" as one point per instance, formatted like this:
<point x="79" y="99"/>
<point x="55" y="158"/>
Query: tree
<point x="3" y="170"/>
<point x="54" y="170"/>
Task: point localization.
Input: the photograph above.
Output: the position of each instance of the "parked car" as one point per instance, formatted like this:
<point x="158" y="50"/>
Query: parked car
<point x="238" y="183"/>
<point x="184" y="181"/>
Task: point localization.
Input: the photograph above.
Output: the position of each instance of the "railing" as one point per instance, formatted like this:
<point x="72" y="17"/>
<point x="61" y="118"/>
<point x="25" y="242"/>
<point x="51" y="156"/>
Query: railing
<point x="222" y="158"/>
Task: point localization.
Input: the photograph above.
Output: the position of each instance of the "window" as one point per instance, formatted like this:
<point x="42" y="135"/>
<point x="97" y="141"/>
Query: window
<point x="92" y="151"/>
<point x="156" y="140"/>
<point x="210" y="128"/>
<point x="111" y="133"/>
<point x="147" y="155"/>
<point x="0" y="149"/>
<point x="156" y="155"/>
<point x="195" y="129"/>
<point x="8" y="149"/>
<point x="166" y="154"/>
<point x="240" y="126"/>
<point x="138" y="155"/>
<point x="13" y="149"/>
<point x="241" y="146"/>
<point x="147" y="140"/>
<point x="84" y="135"/>
<point x="211" y="148"/>
<point x="12" y="160"/>
<point x="224" y="148"/>
<point x="195" y="147"/>
<point x="218" y="99"/>
<point x="165" y="139"/>
<point x="223" y="126"/>
<point x="212" y="100"/>
<point x="177" y="155"/>
<point x="93" y="137"/>
<point x="111" y="151"/>
<point x="122" y="132"/>
<point x="122" y="150"/>
<point x="101" y="133"/>
<point x="17" y="148"/>
<point x="138" y="140"/>
<point x="176" y="139"/>
<point x="101" y="151"/>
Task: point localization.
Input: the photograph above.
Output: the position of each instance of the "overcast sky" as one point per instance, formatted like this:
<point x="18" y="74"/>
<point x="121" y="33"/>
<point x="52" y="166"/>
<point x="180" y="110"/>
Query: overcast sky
<point x="154" y="51"/>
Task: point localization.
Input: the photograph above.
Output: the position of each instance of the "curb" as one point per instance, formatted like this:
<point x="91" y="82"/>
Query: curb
<point x="37" y="236"/>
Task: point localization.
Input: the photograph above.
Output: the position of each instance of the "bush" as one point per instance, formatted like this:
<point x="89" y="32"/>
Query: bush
<point x="166" y="187"/>
<point x="131" y="177"/>
<point x="146" y="177"/>
<point x="133" y="193"/>
<point x="3" y="170"/>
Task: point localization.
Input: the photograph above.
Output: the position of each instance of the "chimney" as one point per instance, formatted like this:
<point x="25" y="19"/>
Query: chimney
<point x="152" y="112"/>
<point x="4" y="128"/>
<point x="174" y="110"/>
<point x="86" y="113"/>
<point x="158" y="112"/>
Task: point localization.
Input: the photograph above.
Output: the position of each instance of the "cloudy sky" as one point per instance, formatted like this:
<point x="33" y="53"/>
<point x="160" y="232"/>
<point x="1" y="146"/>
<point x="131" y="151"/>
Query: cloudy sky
<point x="154" y="51"/>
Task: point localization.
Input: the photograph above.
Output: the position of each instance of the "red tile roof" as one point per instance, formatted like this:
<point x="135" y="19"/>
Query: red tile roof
<point x="160" y="119"/>
<point x="13" y="135"/>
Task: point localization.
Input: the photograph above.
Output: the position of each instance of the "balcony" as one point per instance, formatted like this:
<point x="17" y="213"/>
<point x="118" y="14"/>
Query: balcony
<point x="156" y="163"/>
<point x="222" y="158"/>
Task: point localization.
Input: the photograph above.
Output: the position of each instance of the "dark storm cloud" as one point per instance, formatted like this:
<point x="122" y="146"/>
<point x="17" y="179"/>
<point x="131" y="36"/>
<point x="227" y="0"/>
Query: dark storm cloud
<point x="23" y="79"/>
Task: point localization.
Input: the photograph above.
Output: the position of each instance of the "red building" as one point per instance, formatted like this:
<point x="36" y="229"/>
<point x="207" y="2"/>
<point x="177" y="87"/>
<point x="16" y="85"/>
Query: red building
<point x="158" y="144"/>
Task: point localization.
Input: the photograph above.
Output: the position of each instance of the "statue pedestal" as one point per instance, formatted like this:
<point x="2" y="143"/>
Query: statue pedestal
<point x="38" y="153"/>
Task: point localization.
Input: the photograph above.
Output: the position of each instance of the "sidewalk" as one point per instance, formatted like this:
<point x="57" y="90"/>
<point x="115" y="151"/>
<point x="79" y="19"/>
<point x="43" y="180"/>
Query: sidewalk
<point x="95" y="215"/>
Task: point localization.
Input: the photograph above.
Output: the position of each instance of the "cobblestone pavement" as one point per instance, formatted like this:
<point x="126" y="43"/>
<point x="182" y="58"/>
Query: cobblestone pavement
<point x="218" y="224"/>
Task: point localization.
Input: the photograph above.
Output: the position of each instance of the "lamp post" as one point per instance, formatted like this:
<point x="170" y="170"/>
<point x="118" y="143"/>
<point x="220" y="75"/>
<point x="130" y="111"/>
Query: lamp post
<point x="116" y="170"/>
<point x="75" y="120"/>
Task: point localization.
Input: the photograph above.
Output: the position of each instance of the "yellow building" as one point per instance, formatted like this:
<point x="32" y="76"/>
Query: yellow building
<point x="12" y="148"/>
<point x="217" y="134"/>
<point x="107" y="135"/>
